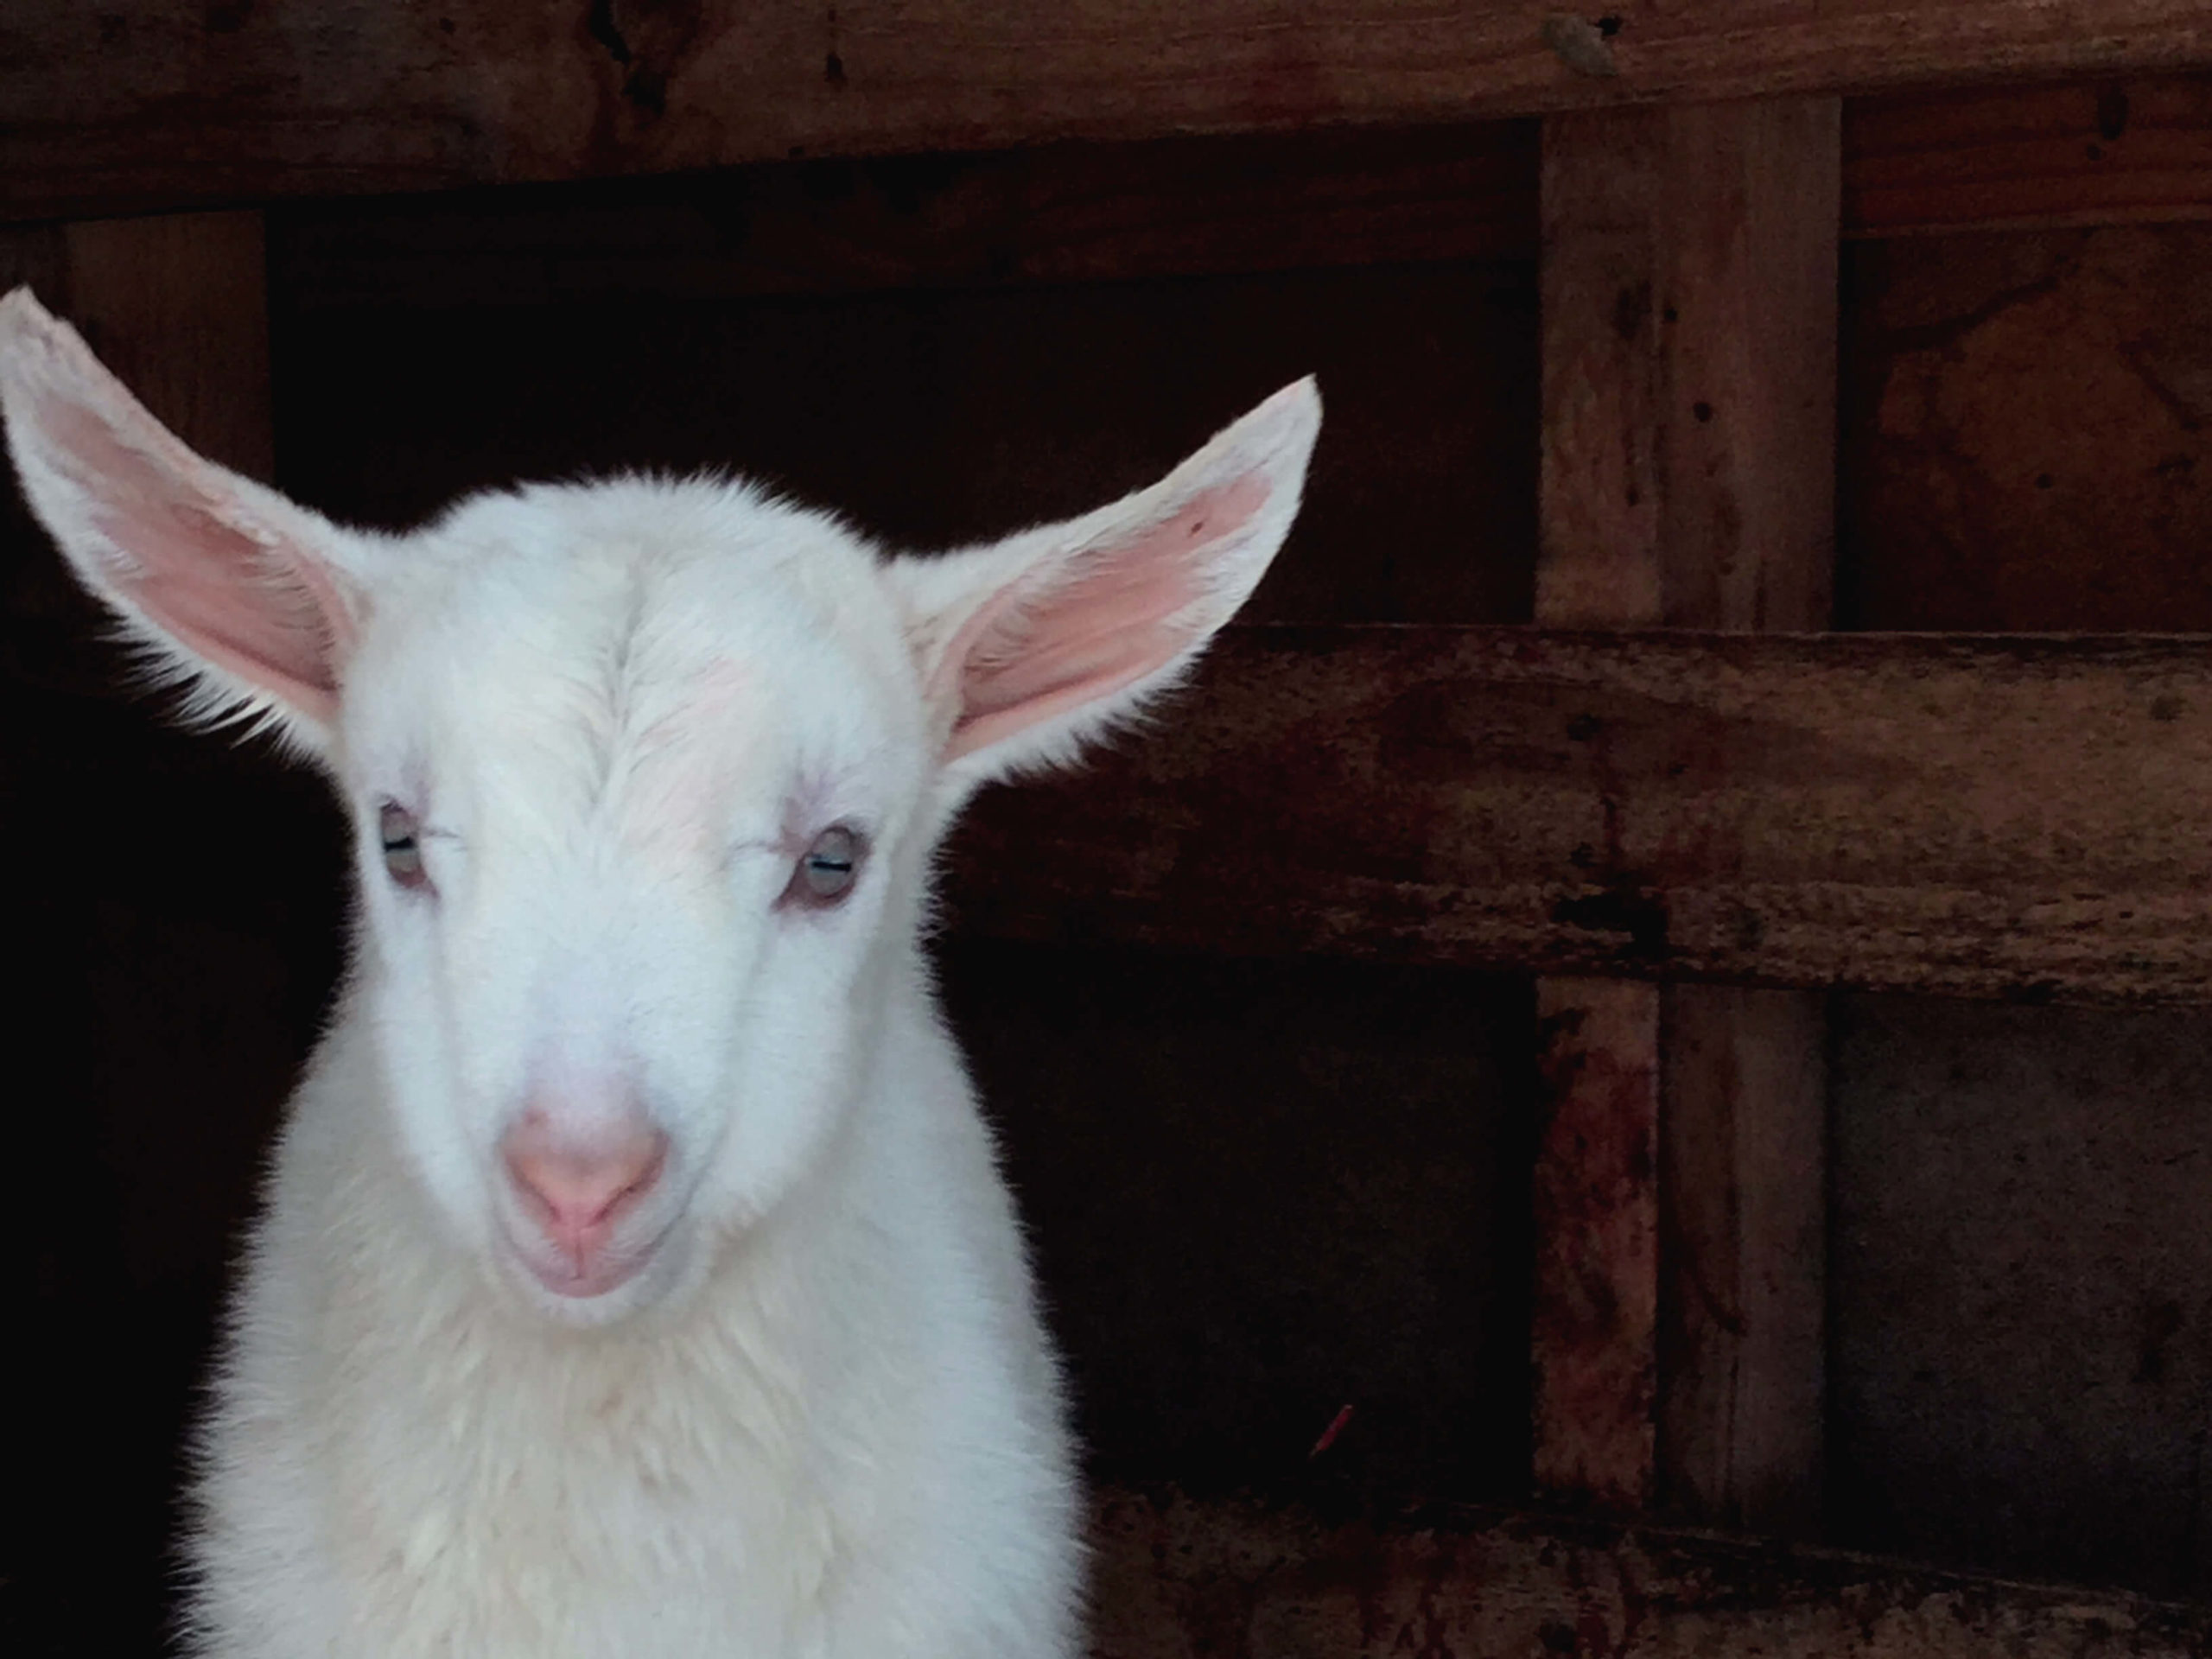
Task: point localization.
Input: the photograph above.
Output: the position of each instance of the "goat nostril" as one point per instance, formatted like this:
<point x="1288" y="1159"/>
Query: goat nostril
<point x="576" y="1185"/>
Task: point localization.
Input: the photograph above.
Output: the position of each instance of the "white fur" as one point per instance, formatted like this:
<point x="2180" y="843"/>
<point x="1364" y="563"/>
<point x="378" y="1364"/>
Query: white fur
<point x="823" y="1420"/>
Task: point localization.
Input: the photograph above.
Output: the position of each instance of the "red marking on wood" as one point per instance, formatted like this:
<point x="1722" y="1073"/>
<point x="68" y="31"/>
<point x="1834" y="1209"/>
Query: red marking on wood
<point x="1329" y="1435"/>
<point x="1596" y="1316"/>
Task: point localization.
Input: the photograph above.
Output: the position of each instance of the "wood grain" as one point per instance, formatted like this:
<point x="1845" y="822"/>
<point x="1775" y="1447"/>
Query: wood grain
<point x="1689" y="307"/>
<point x="1954" y="161"/>
<point x="1179" y="1578"/>
<point x="1690" y="256"/>
<point x="1595" y="1319"/>
<point x="2104" y="151"/>
<point x="1595" y="1307"/>
<point x="157" y="104"/>
<point x="2021" y="818"/>
<point x="1743" y="1208"/>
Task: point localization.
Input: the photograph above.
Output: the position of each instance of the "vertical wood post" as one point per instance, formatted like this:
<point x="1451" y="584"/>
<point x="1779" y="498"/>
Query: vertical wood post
<point x="1690" y="318"/>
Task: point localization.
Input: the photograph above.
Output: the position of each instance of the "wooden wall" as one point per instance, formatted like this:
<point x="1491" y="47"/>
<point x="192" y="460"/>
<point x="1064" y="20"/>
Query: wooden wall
<point x="1262" y="1190"/>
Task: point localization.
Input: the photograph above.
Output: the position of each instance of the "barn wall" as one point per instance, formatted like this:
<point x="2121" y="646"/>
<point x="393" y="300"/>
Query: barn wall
<point x="1258" y="1191"/>
<point x="2020" y="1267"/>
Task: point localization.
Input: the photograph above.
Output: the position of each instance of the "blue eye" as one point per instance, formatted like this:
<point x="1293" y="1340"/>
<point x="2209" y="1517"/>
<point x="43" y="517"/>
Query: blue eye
<point x="827" y="869"/>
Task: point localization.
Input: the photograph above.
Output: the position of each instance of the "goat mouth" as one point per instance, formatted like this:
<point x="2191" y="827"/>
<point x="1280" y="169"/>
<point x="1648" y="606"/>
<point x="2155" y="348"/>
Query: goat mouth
<point x="560" y="1275"/>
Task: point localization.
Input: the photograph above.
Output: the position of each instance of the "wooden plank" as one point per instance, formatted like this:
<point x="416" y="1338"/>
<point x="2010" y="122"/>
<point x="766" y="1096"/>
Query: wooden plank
<point x="210" y="103"/>
<point x="1958" y="160"/>
<point x="1689" y="316"/>
<point x="1744" y="327"/>
<point x="1747" y="490"/>
<point x="1742" y="1206"/>
<point x="1594" y="1312"/>
<point x="1593" y="1344"/>
<point x="1178" y="1578"/>
<point x="2091" y="152"/>
<point x="1950" y="814"/>
<point x="1689" y="367"/>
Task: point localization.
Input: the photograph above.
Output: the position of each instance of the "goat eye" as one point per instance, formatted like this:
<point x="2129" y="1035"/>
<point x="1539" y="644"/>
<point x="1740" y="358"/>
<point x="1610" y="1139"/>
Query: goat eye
<point x="825" y="873"/>
<point x="402" y="846"/>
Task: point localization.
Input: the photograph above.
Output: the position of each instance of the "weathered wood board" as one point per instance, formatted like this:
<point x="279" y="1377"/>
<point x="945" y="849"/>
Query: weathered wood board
<point x="1958" y="160"/>
<point x="2088" y="152"/>
<point x="155" y="104"/>
<point x="1688" y="479"/>
<point x="1177" y="1579"/>
<point x="1959" y="815"/>
<point x="1593" y="1336"/>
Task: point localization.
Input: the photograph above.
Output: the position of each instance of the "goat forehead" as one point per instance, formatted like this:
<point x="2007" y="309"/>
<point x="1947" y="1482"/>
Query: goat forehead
<point x="634" y="700"/>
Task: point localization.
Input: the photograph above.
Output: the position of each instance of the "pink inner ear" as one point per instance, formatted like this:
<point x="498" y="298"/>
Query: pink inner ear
<point x="264" y="610"/>
<point x="1030" y="655"/>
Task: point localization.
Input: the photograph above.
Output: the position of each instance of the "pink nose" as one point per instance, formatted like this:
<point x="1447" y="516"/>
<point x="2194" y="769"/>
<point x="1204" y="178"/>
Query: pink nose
<point x="578" y="1186"/>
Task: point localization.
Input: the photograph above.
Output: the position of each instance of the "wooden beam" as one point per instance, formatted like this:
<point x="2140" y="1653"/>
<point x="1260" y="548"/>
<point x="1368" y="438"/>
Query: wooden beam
<point x="2092" y="152"/>
<point x="1690" y="258"/>
<point x="2023" y="818"/>
<point x="1178" y="1578"/>
<point x="148" y="104"/>
<point x="1743" y="1208"/>
<point x="1689" y="304"/>
<point x="1960" y="160"/>
<point x="1595" y="1325"/>
<point x="1594" y="1316"/>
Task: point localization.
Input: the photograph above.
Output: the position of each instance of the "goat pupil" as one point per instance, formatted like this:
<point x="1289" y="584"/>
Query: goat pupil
<point x="829" y="864"/>
<point x="402" y="855"/>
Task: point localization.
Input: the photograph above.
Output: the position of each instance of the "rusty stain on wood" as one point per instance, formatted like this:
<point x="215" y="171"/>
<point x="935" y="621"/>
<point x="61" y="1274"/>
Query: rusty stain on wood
<point x="195" y="106"/>
<point x="1596" y="1308"/>
<point x="2022" y="818"/>
<point x="1177" y="1579"/>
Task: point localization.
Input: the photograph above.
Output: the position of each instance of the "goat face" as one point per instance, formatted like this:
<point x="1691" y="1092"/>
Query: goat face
<point x="644" y="778"/>
<point x="640" y="774"/>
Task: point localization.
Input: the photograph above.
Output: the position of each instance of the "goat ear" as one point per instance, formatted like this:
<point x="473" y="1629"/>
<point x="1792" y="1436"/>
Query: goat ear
<point x="1029" y="646"/>
<point x="234" y="589"/>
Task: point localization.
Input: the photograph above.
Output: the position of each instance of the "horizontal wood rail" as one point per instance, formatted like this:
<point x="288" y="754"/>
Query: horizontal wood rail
<point x="155" y="104"/>
<point x="1960" y="160"/>
<point x="2026" y="817"/>
<point x="1177" y="1578"/>
<point x="2094" y="152"/>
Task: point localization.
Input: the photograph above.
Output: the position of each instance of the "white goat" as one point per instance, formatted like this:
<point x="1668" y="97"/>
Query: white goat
<point x="636" y="1279"/>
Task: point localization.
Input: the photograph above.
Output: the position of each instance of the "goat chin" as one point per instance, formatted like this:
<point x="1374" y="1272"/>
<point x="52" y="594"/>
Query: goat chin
<point x="634" y="1276"/>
